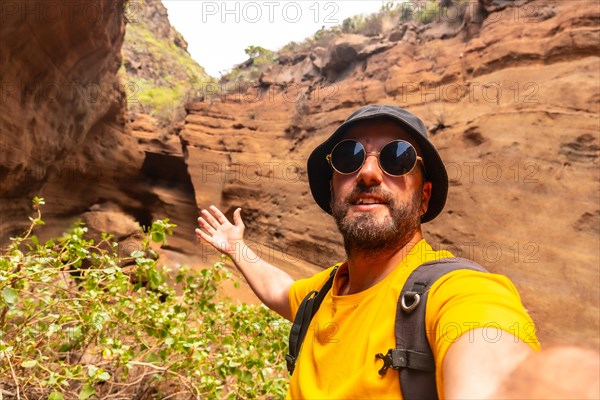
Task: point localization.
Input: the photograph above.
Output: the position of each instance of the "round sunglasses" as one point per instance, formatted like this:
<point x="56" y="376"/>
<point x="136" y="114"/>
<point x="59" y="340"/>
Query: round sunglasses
<point x="397" y="158"/>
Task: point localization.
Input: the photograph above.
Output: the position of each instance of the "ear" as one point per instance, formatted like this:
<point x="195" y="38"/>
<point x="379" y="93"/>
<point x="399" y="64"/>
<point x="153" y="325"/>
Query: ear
<point x="425" y="196"/>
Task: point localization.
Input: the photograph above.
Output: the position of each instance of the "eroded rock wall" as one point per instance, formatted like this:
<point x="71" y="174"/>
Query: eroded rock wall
<point x="512" y="105"/>
<point x="62" y="125"/>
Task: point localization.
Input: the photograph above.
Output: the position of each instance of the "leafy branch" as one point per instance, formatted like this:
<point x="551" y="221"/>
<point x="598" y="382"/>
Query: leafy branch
<point x="77" y="324"/>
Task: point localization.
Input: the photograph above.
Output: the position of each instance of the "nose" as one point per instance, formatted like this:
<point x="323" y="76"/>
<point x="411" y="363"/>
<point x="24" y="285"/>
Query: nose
<point x="370" y="173"/>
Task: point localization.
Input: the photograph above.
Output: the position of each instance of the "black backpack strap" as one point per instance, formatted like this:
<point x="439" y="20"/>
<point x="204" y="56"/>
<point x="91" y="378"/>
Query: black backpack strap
<point x="413" y="356"/>
<point x="307" y="310"/>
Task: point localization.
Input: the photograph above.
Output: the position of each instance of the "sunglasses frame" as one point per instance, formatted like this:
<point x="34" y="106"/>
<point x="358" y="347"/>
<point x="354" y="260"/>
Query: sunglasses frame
<point x="376" y="154"/>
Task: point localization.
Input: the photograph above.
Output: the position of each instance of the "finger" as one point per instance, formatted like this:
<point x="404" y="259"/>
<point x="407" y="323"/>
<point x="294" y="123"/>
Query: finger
<point x="210" y="240"/>
<point x="207" y="227"/>
<point x="219" y="215"/>
<point x="202" y="235"/>
<point x="210" y="219"/>
<point x="237" y="217"/>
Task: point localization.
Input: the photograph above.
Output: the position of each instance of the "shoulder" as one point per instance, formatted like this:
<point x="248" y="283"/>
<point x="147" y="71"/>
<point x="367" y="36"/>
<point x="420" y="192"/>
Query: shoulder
<point x="468" y="289"/>
<point x="471" y="281"/>
<point x="464" y="300"/>
<point x="314" y="282"/>
<point x="302" y="287"/>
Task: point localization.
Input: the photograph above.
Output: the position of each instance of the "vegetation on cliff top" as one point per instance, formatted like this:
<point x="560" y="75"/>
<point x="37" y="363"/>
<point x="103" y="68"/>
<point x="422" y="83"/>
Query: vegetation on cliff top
<point x="158" y="72"/>
<point x="77" y="324"/>
<point x="390" y="15"/>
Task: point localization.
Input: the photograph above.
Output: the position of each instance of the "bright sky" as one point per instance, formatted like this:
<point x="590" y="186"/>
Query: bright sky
<point x="217" y="32"/>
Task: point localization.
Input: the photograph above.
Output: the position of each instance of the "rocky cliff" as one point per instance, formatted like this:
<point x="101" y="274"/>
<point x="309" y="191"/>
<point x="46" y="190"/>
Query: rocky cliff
<point x="77" y="123"/>
<point x="162" y="77"/>
<point x="62" y="120"/>
<point x="157" y="69"/>
<point x="510" y="95"/>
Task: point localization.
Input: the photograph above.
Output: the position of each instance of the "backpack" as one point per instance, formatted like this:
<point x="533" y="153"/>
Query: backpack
<point x="412" y="357"/>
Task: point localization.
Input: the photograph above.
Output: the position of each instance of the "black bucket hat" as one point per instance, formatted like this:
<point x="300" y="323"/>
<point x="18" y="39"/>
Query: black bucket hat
<point x="320" y="173"/>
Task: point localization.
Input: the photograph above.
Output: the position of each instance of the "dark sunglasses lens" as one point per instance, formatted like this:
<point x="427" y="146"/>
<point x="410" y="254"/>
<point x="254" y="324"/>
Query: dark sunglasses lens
<point x="398" y="158"/>
<point x="347" y="156"/>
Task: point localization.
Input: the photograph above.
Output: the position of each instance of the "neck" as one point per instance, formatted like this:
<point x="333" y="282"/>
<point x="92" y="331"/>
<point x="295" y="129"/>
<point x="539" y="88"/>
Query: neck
<point x="366" y="268"/>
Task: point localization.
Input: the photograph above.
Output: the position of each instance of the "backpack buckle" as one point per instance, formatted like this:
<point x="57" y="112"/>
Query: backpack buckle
<point x="394" y="359"/>
<point x="387" y="362"/>
<point x="290" y="362"/>
<point x="416" y="299"/>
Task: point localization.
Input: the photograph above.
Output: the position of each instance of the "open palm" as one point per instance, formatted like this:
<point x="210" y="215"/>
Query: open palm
<point x="220" y="232"/>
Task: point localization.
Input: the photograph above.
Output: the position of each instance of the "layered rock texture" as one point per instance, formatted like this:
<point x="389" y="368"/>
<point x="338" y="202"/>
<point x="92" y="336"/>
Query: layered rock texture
<point x="509" y="92"/>
<point x="67" y="106"/>
<point x="63" y="132"/>
<point x="510" y="95"/>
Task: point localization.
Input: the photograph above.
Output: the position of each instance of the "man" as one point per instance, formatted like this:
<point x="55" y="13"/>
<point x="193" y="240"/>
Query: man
<point x="380" y="178"/>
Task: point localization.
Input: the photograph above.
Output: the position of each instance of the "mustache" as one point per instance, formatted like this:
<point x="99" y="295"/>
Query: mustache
<point x="361" y="189"/>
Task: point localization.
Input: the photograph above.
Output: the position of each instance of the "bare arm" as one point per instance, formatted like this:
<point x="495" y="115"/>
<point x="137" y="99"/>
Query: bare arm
<point x="564" y="372"/>
<point x="476" y="365"/>
<point x="269" y="283"/>
<point x="509" y="369"/>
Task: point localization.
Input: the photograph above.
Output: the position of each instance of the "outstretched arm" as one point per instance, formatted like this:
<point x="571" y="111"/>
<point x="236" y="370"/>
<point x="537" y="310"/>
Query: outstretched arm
<point x="510" y="369"/>
<point x="269" y="283"/>
<point x="475" y="367"/>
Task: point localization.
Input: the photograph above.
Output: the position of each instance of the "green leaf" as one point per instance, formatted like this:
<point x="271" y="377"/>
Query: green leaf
<point x="104" y="376"/>
<point x="55" y="396"/>
<point x="29" y="364"/>
<point x="92" y="369"/>
<point x="158" y="237"/>
<point x="245" y="377"/>
<point x="9" y="295"/>
<point x="228" y="340"/>
<point x="137" y="253"/>
<point x="153" y="358"/>
<point x="155" y="278"/>
<point x="86" y="392"/>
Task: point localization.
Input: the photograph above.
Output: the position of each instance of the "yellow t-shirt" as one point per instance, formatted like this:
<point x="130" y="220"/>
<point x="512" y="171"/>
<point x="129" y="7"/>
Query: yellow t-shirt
<point x="337" y="358"/>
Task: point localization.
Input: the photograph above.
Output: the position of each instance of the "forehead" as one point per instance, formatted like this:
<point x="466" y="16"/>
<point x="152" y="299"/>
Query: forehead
<point x="379" y="132"/>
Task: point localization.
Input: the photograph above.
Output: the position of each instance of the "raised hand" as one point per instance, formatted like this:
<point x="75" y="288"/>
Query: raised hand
<point x="220" y="233"/>
<point x="271" y="285"/>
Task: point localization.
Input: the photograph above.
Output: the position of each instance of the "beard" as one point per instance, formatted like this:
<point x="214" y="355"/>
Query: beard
<point x="364" y="232"/>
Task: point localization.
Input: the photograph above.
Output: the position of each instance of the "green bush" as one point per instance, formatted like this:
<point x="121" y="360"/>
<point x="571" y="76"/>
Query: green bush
<point x="259" y="59"/>
<point x="77" y="324"/>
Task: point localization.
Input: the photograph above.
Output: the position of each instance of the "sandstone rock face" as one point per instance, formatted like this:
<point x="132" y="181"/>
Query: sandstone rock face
<point x="511" y="102"/>
<point x="62" y="122"/>
<point x="64" y="130"/>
